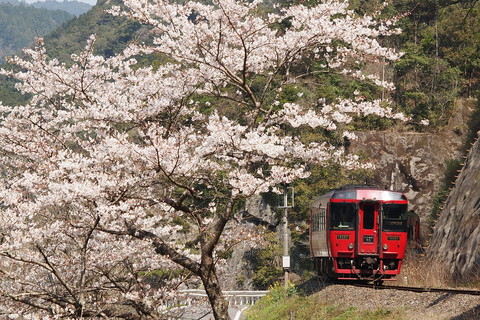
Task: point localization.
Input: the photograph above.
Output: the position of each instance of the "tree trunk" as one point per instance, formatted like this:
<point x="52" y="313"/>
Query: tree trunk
<point x="212" y="288"/>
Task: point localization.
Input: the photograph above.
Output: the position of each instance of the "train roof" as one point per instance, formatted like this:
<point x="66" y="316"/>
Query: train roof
<point x="361" y="192"/>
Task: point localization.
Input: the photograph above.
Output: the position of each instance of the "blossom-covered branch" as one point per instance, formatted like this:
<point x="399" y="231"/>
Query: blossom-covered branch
<point x="117" y="173"/>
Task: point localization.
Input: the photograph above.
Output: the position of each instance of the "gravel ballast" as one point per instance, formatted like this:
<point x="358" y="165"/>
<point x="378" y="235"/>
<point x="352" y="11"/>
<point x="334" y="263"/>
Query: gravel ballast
<point x="413" y="305"/>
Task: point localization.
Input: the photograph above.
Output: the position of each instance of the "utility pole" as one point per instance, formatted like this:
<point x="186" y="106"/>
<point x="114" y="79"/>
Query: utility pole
<point x="285" y="207"/>
<point x="383" y="79"/>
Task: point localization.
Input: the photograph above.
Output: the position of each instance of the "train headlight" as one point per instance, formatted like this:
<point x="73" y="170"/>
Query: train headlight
<point x="385" y="247"/>
<point x="350" y="246"/>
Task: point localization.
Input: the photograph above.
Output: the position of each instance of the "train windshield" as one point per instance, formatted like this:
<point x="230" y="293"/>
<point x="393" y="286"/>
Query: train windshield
<point x="342" y="215"/>
<point x="394" y="217"/>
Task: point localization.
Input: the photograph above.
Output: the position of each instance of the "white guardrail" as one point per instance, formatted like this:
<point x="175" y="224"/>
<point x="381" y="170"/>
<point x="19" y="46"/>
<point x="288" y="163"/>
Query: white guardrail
<point x="234" y="298"/>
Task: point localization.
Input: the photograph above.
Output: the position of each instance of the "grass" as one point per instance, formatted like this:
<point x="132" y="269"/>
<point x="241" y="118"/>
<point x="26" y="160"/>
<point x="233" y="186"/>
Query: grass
<point x="421" y="272"/>
<point x="286" y="304"/>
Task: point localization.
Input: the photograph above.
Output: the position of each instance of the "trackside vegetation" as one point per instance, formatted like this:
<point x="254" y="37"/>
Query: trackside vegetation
<point x="289" y="303"/>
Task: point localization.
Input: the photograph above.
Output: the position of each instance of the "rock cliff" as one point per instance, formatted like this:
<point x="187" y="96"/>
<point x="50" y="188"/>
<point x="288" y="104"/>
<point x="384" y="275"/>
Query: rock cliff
<point x="413" y="163"/>
<point x="456" y="238"/>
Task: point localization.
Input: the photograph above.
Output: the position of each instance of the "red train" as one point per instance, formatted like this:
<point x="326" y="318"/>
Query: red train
<point x="360" y="233"/>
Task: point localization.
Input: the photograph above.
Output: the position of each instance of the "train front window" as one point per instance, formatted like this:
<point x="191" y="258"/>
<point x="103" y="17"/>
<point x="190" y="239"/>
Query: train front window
<point x="342" y="215"/>
<point x="369" y="216"/>
<point x="394" y="217"/>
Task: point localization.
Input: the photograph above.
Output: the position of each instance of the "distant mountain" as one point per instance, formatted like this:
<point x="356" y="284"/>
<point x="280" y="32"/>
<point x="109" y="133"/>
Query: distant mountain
<point x="20" y="24"/>
<point x="73" y="7"/>
<point x="13" y="2"/>
<point x="113" y="34"/>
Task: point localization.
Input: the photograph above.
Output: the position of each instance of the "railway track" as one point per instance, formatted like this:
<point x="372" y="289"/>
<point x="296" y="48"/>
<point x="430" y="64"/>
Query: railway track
<point x="418" y="289"/>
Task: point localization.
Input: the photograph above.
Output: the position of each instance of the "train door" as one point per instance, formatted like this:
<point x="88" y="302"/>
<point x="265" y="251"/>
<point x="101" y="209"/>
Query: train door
<point x="368" y="228"/>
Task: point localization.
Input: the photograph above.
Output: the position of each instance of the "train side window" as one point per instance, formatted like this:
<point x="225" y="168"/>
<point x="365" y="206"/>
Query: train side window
<point x="342" y="215"/>
<point x="368" y="216"/>
<point x="321" y="219"/>
<point x="318" y="220"/>
<point x="315" y="221"/>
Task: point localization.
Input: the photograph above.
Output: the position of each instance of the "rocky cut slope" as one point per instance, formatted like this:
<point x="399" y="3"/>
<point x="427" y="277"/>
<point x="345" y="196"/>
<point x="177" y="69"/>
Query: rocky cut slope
<point x="456" y="238"/>
<point x="415" y="163"/>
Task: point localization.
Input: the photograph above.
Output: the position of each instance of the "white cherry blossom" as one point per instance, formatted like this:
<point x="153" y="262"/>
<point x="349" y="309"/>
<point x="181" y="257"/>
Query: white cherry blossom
<point x="115" y="174"/>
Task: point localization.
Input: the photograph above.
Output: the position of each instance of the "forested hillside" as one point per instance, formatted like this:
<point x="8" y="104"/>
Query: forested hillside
<point x="439" y="38"/>
<point x="441" y="62"/>
<point x="20" y="24"/>
<point x="113" y="33"/>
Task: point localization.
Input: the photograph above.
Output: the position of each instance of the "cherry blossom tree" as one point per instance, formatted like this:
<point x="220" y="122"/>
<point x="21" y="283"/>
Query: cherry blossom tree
<point x="117" y="174"/>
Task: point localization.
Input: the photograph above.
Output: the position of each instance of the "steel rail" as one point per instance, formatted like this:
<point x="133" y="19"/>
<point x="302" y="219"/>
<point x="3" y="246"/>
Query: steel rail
<point x="418" y="289"/>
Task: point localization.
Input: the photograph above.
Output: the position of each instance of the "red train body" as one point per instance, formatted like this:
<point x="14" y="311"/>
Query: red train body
<point x="359" y="233"/>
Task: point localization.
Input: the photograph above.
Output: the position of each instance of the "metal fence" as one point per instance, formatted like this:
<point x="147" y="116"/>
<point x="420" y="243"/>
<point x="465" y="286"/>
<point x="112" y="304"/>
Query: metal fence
<point x="234" y="298"/>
